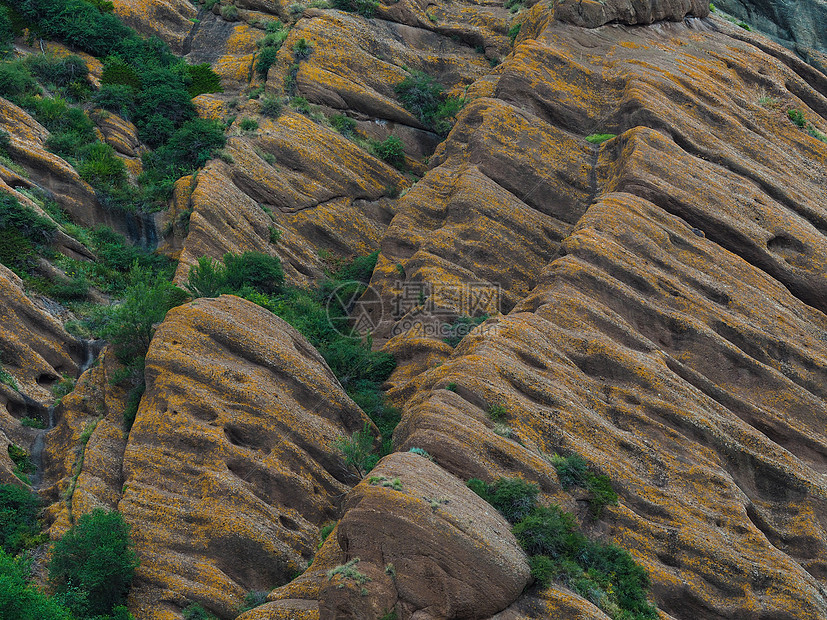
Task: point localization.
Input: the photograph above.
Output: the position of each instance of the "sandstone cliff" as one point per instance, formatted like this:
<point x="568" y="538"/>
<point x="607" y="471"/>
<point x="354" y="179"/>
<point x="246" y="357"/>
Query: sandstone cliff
<point x="627" y="189"/>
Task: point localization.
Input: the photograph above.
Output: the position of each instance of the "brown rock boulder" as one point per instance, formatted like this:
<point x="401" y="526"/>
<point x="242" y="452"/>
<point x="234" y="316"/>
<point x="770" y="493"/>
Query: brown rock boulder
<point x="229" y="469"/>
<point x="416" y="529"/>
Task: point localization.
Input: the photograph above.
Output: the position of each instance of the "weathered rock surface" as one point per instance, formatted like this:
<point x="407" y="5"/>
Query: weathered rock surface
<point x="229" y="469"/>
<point x="702" y="397"/>
<point x="34" y="348"/>
<point x="429" y="547"/>
<point x="321" y="191"/>
<point x="84" y="451"/>
<point x="798" y="25"/>
<point x="662" y="299"/>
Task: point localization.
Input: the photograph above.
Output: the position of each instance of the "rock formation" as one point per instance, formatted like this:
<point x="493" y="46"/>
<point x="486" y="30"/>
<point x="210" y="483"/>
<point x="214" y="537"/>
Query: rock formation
<point x="624" y="195"/>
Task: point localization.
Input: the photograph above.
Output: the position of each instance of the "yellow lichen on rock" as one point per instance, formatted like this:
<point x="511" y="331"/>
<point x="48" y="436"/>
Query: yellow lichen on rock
<point x="230" y="468"/>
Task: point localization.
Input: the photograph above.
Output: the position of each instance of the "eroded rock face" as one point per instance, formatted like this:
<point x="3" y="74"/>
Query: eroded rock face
<point x="84" y="451"/>
<point x="171" y="20"/>
<point x="797" y="25"/>
<point x="229" y="469"/>
<point x="427" y="546"/>
<point x="675" y="341"/>
<point x="320" y="191"/>
<point x="594" y="13"/>
<point x="662" y="302"/>
<point x="34" y="347"/>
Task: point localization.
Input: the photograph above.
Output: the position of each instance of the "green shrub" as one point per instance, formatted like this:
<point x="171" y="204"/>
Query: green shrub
<point x="461" y="327"/>
<point x="604" y="574"/>
<point x="118" y="72"/>
<point x="31" y="422"/>
<point x="248" y="124"/>
<point x="19" y="527"/>
<point x="201" y="79"/>
<point x="343" y="124"/>
<point x="133" y="401"/>
<point x="549" y="531"/>
<point x="325" y="531"/>
<point x="21" y="601"/>
<point x="349" y="571"/>
<point x="797" y="117"/>
<point x="513" y="32"/>
<point x="600" y="138"/>
<point x="251" y="270"/>
<point x="271" y="107"/>
<point x="22" y="231"/>
<point x="426" y="99"/>
<point x="229" y="12"/>
<point x="95" y="556"/>
<point x="187" y="149"/>
<point x="365" y="8"/>
<point x="58" y="70"/>
<point x="16" y="81"/>
<point x="262" y="272"/>
<point x="543" y="569"/>
<point x="358" y="450"/>
<point x="100" y="165"/>
<point x="117" y="98"/>
<point x="253" y="599"/>
<point x="76" y="23"/>
<point x="573" y="471"/>
<point x="56" y="115"/>
<point x="194" y="611"/>
<point x="513" y="497"/>
<point x="421" y="452"/>
<point x="302" y="49"/>
<point x="391" y="151"/>
<point x="266" y="58"/>
<point x="129" y="326"/>
<point x="207" y="278"/>
<point x="6" y="31"/>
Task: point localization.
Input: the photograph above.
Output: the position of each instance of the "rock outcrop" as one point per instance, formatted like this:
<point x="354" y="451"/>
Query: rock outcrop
<point x="797" y="25"/>
<point x="623" y="194"/>
<point x="416" y="541"/>
<point x="230" y="470"/>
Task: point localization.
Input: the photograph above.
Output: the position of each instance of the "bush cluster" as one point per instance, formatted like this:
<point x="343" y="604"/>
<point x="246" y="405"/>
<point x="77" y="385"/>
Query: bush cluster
<point x="90" y="571"/>
<point x="390" y="151"/>
<point x="574" y="472"/>
<point x="19" y="525"/>
<point x="23" y="233"/>
<point x="245" y="274"/>
<point x="142" y="81"/>
<point x="425" y="98"/>
<point x="799" y="120"/>
<point x="269" y="47"/>
<point x="602" y="573"/>
<point x="365" y="8"/>
<point x="461" y="327"/>
<point x="93" y="564"/>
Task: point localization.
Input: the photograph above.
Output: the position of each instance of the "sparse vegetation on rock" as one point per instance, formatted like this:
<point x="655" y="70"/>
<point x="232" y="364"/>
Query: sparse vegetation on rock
<point x="425" y="98"/>
<point x="604" y="574"/>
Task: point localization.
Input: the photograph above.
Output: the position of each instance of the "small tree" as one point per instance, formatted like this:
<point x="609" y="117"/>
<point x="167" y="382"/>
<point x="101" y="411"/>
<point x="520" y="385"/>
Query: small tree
<point x="95" y="557"/>
<point x="21" y="601"/>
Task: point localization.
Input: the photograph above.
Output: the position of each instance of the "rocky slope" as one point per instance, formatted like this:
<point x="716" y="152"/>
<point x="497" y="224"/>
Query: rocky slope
<point x="797" y="25"/>
<point x="657" y="301"/>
